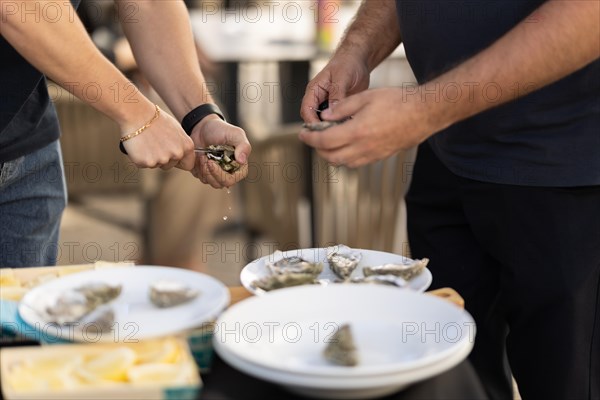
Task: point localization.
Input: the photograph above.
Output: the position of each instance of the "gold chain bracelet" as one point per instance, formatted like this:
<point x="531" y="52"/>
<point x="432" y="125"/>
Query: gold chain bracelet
<point x="143" y="128"/>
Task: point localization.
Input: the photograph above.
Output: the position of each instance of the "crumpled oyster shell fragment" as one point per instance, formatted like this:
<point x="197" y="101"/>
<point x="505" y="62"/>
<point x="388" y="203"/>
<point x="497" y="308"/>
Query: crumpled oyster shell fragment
<point x="341" y="349"/>
<point x="224" y="155"/>
<point x="405" y="271"/>
<point x="165" y="293"/>
<point x="343" y="260"/>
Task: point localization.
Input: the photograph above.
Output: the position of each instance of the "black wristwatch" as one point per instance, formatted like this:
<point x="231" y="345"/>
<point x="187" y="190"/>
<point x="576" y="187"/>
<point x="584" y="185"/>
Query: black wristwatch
<point x="197" y="114"/>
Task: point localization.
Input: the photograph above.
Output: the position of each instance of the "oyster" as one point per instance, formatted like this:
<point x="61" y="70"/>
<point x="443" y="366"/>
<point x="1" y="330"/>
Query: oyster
<point x="101" y="320"/>
<point x="278" y="281"/>
<point x="73" y="305"/>
<point x="165" y="294"/>
<point x="341" y="349"/>
<point x="343" y="260"/>
<point x="405" y="271"/>
<point x="389" y="280"/>
<point x="293" y="265"/>
<point x="224" y="155"/>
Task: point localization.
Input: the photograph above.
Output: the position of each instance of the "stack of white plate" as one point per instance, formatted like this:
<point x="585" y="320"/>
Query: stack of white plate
<point x="402" y="337"/>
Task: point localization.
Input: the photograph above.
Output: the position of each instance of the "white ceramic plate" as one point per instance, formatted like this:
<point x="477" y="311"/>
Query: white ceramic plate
<point x="327" y="387"/>
<point x="402" y="337"/>
<point x="136" y="317"/>
<point x="258" y="269"/>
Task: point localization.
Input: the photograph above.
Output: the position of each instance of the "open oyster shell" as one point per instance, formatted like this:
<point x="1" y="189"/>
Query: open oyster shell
<point x="71" y="306"/>
<point x="224" y="155"/>
<point x="293" y="265"/>
<point x="278" y="281"/>
<point x="341" y="349"/>
<point x="405" y="271"/>
<point x="343" y="260"/>
<point x="165" y="294"/>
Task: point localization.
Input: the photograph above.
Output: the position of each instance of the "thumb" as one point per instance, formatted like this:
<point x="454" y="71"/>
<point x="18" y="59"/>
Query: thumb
<point x="343" y="108"/>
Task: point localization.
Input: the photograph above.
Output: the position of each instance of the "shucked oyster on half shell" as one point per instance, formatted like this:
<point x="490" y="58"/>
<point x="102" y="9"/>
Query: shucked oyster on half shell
<point x="71" y="306"/>
<point x="341" y="349"/>
<point x="405" y="271"/>
<point x="279" y="281"/>
<point x="165" y="293"/>
<point x="343" y="260"/>
<point x="292" y="265"/>
<point x="224" y="155"/>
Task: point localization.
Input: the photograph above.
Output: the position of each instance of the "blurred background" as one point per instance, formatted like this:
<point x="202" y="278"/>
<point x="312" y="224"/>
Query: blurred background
<point x="257" y="58"/>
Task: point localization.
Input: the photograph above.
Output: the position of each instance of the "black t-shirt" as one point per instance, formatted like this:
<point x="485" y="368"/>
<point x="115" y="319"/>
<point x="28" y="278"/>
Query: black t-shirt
<point x="550" y="137"/>
<point x="27" y="117"/>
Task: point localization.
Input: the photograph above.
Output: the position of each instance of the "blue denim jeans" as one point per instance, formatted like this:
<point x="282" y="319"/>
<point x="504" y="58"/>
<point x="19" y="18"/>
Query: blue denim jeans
<point x="32" y="198"/>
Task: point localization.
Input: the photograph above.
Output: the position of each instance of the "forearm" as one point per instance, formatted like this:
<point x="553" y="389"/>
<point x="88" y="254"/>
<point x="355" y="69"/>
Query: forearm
<point x="564" y="38"/>
<point x="61" y="49"/>
<point x="374" y="33"/>
<point x="163" y="44"/>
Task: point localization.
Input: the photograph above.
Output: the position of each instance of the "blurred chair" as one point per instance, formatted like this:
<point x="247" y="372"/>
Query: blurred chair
<point x="275" y="195"/>
<point x="363" y="207"/>
<point x="95" y="166"/>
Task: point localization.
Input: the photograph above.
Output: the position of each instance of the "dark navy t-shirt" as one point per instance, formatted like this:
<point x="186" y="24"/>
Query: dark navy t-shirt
<point x="550" y="137"/>
<point x="27" y="117"/>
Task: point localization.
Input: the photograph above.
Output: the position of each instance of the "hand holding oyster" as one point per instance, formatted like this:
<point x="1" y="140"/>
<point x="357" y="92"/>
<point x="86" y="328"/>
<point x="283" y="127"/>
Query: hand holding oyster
<point x="224" y="155"/>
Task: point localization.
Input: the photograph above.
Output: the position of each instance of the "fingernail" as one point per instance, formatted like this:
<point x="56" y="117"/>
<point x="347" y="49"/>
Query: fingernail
<point x="327" y="113"/>
<point x="243" y="158"/>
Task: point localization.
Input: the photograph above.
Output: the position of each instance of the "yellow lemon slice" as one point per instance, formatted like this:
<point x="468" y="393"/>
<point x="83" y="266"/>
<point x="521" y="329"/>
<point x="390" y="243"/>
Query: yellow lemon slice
<point x="159" y="374"/>
<point x="12" y="293"/>
<point x="157" y="351"/>
<point x="43" y="374"/>
<point x="112" y="365"/>
<point x="7" y="278"/>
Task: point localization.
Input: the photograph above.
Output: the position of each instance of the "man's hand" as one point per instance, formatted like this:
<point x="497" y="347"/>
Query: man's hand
<point x="343" y="76"/>
<point x="373" y="133"/>
<point x="214" y="131"/>
<point x="163" y="144"/>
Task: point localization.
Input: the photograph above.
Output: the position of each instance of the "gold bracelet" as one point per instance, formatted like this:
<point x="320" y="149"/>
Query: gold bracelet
<point x="143" y="128"/>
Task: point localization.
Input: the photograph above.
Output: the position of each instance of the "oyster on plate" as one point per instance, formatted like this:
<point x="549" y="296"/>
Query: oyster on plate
<point x="101" y="320"/>
<point x="279" y="281"/>
<point x="343" y="260"/>
<point x="292" y="265"/>
<point x="224" y="155"/>
<point x="72" y="305"/>
<point x="405" y="271"/>
<point x="165" y="294"/>
<point x="341" y="349"/>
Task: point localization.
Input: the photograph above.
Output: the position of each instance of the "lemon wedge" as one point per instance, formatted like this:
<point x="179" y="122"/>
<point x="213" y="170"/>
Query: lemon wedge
<point x="157" y="351"/>
<point x="7" y="278"/>
<point x="112" y="365"/>
<point x="46" y="373"/>
<point x="159" y="374"/>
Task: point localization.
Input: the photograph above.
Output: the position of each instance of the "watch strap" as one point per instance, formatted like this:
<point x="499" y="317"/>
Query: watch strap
<point x="198" y="114"/>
